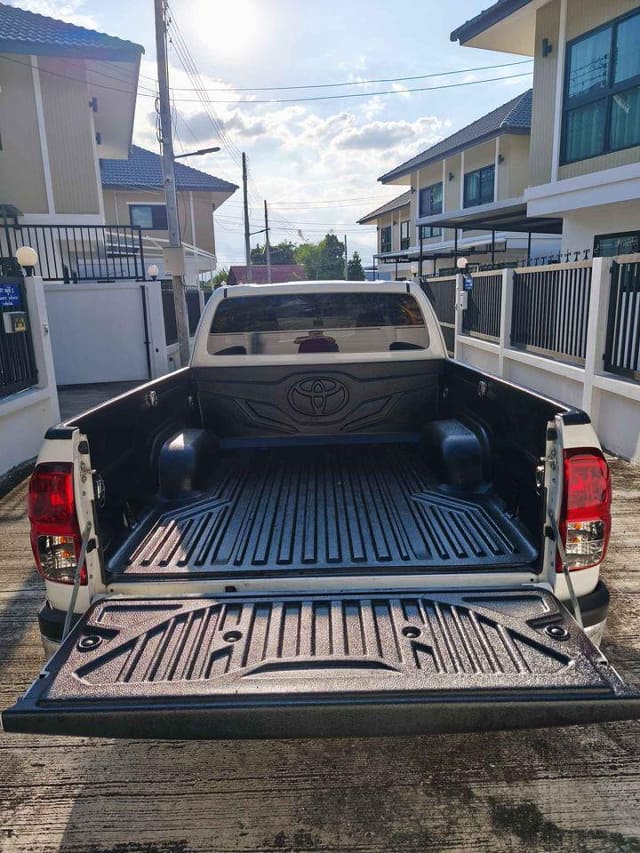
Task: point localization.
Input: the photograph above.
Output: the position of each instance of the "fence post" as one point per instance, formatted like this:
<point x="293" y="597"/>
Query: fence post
<point x="38" y="328"/>
<point x="155" y="317"/>
<point x="506" y="305"/>
<point x="459" y="315"/>
<point x="596" y="333"/>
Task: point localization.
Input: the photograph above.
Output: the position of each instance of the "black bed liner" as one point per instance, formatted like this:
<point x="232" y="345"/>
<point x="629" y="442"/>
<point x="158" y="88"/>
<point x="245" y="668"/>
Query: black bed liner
<point x="322" y="665"/>
<point x="336" y="509"/>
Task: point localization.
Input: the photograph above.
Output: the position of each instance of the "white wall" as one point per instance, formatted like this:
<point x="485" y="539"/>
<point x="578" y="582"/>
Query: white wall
<point x="26" y="416"/>
<point x="581" y="226"/>
<point x="97" y="331"/>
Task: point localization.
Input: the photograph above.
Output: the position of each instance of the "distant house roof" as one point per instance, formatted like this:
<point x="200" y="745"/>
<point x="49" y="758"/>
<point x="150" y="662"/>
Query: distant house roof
<point x="143" y="169"/>
<point x="512" y="117"/>
<point x="487" y="18"/>
<point x="29" y="33"/>
<point x="394" y="204"/>
<point x="279" y="274"/>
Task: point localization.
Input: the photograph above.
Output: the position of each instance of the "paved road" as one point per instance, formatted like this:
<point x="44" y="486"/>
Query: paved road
<point x="575" y="789"/>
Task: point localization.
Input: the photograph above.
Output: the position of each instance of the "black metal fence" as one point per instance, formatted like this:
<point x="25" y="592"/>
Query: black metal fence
<point x="17" y="360"/>
<point x="72" y="253"/>
<point x="482" y="316"/>
<point x="622" y="349"/>
<point x="192" y="296"/>
<point x="442" y="293"/>
<point x="550" y="311"/>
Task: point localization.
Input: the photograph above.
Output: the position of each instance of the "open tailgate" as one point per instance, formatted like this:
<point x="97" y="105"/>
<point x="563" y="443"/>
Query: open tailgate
<point x="299" y="666"/>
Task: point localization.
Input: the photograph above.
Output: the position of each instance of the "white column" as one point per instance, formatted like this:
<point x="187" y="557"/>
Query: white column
<point x="42" y="132"/>
<point x="596" y="333"/>
<point x="38" y="327"/>
<point x="193" y="220"/>
<point x="496" y="184"/>
<point x="155" y="319"/>
<point x="458" y="316"/>
<point x="506" y="305"/>
<point x="557" y="110"/>
<point x="461" y="180"/>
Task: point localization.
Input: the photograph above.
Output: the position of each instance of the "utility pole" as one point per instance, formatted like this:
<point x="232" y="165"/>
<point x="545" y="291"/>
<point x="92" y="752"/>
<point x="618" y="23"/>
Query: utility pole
<point x="247" y="236"/>
<point x="267" y="244"/>
<point x="176" y="253"/>
<point x="346" y="260"/>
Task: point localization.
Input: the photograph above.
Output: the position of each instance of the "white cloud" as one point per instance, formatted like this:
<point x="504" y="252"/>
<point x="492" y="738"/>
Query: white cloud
<point x="318" y="170"/>
<point x="63" y="10"/>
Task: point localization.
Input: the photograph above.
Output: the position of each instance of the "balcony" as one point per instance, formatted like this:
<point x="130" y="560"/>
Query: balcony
<point x="73" y="253"/>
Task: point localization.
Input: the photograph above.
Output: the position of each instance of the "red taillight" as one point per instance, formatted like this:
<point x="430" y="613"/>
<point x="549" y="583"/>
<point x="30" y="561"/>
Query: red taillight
<point x="55" y="535"/>
<point x="585" y="522"/>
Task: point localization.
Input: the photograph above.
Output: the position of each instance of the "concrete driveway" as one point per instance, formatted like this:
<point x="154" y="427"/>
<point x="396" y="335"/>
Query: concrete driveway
<point x="575" y="789"/>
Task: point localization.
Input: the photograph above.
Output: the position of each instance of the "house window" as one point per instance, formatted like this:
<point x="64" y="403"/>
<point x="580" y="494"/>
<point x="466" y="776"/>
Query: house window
<point x="404" y="234"/>
<point x="610" y="245"/>
<point x="427" y="231"/>
<point x="602" y="91"/>
<point x="479" y="186"/>
<point x="149" y="216"/>
<point x="385" y="239"/>
<point x="430" y="200"/>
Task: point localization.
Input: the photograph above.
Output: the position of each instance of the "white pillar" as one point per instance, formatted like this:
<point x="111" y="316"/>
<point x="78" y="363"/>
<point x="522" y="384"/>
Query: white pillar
<point x="38" y="328"/>
<point x="506" y="305"/>
<point x="155" y="319"/>
<point x="458" y="316"/>
<point x="559" y="93"/>
<point x="596" y="333"/>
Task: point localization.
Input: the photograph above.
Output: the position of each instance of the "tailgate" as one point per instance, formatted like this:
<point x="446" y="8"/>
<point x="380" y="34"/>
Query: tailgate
<point x="298" y="666"/>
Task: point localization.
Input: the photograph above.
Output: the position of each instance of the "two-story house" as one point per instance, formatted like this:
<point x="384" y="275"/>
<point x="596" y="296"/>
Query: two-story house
<point x="67" y="98"/>
<point x="133" y="195"/>
<point x="584" y="165"/>
<point x="466" y="198"/>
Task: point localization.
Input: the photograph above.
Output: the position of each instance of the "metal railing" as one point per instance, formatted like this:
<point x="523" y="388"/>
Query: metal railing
<point x="622" y="348"/>
<point x="442" y="293"/>
<point x="73" y="253"/>
<point x="482" y="316"/>
<point x="551" y="309"/>
<point x="18" y="369"/>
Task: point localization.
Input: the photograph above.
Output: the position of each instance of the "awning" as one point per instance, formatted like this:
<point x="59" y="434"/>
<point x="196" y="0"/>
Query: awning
<point x="498" y="216"/>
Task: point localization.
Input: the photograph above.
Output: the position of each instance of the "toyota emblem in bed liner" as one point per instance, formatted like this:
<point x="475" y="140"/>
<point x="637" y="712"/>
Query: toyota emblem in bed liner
<point x="318" y="396"/>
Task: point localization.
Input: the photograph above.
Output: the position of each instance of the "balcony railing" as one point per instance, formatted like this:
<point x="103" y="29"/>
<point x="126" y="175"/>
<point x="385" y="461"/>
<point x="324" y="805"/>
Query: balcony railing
<point x="73" y="253"/>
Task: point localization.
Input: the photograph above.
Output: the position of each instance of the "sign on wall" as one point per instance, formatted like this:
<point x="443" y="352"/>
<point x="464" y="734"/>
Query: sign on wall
<point x="10" y="296"/>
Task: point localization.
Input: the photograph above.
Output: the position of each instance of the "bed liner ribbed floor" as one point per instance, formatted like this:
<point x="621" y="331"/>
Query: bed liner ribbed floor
<point x="331" y="509"/>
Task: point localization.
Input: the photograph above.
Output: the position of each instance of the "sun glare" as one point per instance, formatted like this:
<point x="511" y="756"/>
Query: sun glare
<point x="230" y="27"/>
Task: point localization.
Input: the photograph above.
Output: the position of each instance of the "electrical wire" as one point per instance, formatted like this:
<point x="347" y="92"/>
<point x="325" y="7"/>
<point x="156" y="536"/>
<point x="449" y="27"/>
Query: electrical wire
<point x="250" y="102"/>
<point x="363" y="82"/>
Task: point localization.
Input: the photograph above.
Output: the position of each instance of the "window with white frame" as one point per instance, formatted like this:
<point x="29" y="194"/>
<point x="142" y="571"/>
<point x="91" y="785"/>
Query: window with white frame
<point x="150" y="217"/>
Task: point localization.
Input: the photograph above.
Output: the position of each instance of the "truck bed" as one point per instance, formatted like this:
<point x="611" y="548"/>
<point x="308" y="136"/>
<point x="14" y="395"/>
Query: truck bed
<point x="331" y="509"/>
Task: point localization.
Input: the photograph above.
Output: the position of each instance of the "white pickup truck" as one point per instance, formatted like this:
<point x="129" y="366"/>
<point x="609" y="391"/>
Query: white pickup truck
<point x="322" y="526"/>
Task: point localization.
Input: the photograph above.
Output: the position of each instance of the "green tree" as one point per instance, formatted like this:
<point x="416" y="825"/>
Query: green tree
<point x="218" y="279"/>
<point x="324" y="260"/>
<point x="281" y="253"/>
<point x="354" y="268"/>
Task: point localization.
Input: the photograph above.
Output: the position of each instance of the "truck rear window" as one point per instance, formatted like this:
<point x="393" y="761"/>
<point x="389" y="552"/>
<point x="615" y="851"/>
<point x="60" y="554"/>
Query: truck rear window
<point x="290" y="324"/>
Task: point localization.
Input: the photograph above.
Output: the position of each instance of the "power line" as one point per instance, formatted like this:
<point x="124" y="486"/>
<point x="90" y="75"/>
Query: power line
<point x="250" y="102"/>
<point x="363" y="82"/>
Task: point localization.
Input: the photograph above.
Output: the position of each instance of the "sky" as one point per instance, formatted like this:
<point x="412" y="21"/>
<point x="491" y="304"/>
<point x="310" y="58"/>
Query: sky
<point x="315" y="162"/>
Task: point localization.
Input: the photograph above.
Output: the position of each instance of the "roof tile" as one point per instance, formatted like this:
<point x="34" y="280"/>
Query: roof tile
<point x="28" y="32"/>
<point x="144" y="169"/>
<point x="515" y="115"/>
